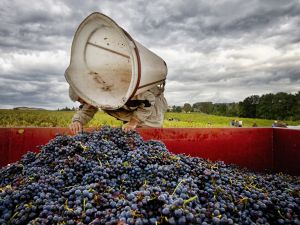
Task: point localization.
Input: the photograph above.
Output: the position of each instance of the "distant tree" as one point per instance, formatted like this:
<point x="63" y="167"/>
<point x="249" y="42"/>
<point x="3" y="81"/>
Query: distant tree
<point x="65" y="109"/>
<point x="219" y="109"/>
<point x="248" y="107"/>
<point x="282" y="105"/>
<point x="176" y="108"/>
<point x="187" y="107"/>
<point x="173" y="108"/>
<point x="265" y="107"/>
<point x="232" y="109"/>
<point x="204" y="107"/>
<point x="295" y="109"/>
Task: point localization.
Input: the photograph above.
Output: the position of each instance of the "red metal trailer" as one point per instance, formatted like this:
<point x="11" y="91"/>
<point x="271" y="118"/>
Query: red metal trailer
<point x="259" y="149"/>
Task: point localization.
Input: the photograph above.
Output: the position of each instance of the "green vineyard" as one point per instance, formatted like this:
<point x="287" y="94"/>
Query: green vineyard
<point x="47" y="118"/>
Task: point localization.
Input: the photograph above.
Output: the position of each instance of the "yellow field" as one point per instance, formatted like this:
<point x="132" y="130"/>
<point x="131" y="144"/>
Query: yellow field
<point x="46" y="118"/>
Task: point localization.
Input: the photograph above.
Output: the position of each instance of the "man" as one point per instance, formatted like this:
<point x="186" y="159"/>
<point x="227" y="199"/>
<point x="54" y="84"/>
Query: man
<point x="143" y="110"/>
<point x="275" y="123"/>
<point x="106" y="69"/>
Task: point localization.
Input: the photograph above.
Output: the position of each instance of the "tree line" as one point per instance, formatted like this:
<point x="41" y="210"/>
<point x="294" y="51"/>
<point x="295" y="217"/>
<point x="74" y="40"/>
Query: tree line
<point x="67" y="109"/>
<point x="279" y="106"/>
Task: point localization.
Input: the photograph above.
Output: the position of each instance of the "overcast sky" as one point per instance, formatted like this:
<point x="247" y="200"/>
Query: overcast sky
<point x="219" y="51"/>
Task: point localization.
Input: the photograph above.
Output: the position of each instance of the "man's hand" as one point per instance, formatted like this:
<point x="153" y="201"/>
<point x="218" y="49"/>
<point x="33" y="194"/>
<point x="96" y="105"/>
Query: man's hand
<point x="75" y="127"/>
<point x="131" y="125"/>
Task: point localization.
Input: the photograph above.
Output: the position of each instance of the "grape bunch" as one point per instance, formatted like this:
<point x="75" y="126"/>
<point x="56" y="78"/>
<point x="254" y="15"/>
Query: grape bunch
<point x="111" y="177"/>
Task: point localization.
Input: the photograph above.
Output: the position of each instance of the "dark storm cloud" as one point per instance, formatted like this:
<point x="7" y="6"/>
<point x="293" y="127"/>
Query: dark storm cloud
<point x="47" y="94"/>
<point x="203" y="26"/>
<point x="215" y="50"/>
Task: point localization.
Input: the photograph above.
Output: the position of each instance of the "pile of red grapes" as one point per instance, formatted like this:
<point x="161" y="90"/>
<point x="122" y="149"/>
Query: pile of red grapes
<point x="112" y="177"/>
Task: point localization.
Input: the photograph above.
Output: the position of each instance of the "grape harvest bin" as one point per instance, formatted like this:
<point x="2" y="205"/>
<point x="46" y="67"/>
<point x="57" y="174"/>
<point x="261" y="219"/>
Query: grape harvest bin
<point x="259" y="149"/>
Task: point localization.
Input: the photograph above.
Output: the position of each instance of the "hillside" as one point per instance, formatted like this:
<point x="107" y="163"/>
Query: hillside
<point x="27" y="108"/>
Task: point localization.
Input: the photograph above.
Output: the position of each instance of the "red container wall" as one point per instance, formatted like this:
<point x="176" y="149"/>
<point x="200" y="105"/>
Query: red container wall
<point x="14" y="142"/>
<point x="287" y="150"/>
<point x="246" y="147"/>
<point x="4" y="146"/>
<point x="255" y="148"/>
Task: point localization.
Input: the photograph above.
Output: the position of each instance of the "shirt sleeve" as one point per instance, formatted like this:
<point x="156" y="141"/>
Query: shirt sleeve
<point x="142" y="112"/>
<point x="85" y="114"/>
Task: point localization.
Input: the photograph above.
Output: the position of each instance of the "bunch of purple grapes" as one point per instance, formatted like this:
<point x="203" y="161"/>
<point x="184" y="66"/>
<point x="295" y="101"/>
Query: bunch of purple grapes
<point x="112" y="177"/>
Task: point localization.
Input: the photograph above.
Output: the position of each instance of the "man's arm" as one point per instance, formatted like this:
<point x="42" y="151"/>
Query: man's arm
<point x="82" y="117"/>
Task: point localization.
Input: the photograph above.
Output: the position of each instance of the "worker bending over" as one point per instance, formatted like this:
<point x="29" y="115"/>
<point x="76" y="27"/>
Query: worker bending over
<point x="143" y="110"/>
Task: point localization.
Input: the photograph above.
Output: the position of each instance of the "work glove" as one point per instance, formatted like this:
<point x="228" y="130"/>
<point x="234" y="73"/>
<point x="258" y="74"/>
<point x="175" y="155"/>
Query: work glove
<point x="131" y="125"/>
<point x="75" y="127"/>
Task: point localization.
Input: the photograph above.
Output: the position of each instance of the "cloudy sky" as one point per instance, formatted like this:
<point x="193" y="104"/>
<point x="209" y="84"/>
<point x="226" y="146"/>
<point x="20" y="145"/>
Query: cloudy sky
<point x="219" y="51"/>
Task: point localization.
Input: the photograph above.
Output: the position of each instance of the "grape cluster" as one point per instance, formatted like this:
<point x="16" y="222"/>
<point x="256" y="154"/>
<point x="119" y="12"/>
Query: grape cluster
<point x="110" y="177"/>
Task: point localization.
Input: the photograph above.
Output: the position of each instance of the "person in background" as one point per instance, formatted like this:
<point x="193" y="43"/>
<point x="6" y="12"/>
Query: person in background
<point x="143" y="111"/>
<point x="232" y="123"/>
<point x="236" y="123"/>
<point x="240" y="123"/>
<point x="281" y="124"/>
<point x="274" y="124"/>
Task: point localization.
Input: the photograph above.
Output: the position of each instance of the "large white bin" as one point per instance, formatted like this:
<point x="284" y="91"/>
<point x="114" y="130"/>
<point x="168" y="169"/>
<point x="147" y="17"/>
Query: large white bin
<point x="108" y="67"/>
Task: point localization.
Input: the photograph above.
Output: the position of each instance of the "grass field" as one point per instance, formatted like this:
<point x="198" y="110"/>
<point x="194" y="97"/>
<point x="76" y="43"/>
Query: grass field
<point x="45" y="118"/>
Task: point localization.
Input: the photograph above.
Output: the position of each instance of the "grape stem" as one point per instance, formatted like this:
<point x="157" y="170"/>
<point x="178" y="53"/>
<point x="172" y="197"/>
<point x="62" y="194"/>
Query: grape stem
<point x="190" y="200"/>
<point x="11" y="218"/>
<point x="84" y="204"/>
<point x="177" y="187"/>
